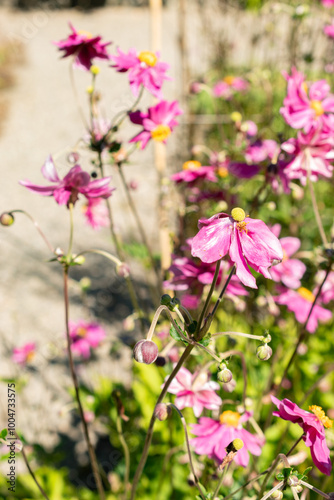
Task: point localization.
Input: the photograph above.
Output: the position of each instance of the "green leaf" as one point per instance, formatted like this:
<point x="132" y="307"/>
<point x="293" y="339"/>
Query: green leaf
<point x="206" y="340"/>
<point x="3" y="434"/>
<point x="175" y="335"/>
<point x="282" y="476"/>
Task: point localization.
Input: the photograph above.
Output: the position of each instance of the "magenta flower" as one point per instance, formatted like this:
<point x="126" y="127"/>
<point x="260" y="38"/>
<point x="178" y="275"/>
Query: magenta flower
<point x="85" y="336"/>
<point x="327" y="3"/>
<point x="195" y="391"/>
<point x="300" y="302"/>
<point x="157" y="123"/>
<point x="311" y="155"/>
<point x="329" y="30"/>
<point x="96" y="213"/>
<point x="289" y="271"/>
<point x="243" y="170"/>
<point x="230" y="85"/>
<point x="246" y="240"/>
<point x="84" y="47"/>
<point x="144" y="69"/>
<point x="305" y="107"/>
<point x="327" y="291"/>
<point x="313" y="425"/>
<point x="193" y="171"/>
<point x="66" y="191"/>
<point x="261" y="150"/>
<point x="215" y="435"/>
<point x="25" y="354"/>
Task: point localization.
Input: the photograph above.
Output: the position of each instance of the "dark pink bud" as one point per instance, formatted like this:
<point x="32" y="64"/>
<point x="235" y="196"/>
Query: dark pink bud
<point x="162" y="411"/>
<point x="73" y="157"/>
<point x="133" y="185"/>
<point x="145" y="351"/>
<point x="123" y="270"/>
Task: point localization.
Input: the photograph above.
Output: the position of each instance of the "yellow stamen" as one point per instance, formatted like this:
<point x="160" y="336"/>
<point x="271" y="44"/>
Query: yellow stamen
<point x="160" y="133"/>
<point x="317" y="107"/>
<point x="87" y="34"/>
<point x="306" y="294"/>
<point x="229" y="79"/>
<point x="30" y="356"/>
<point x="148" y="58"/>
<point x="285" y="255"/>
<point x="238" y="214"/>
<point x="236" y="116"/>
<point x="304" y="87"/>
<point x="222" y="172"/>
<point x="321" y="415"/>
<point x="81" y="332"/>
<point x="230" y="418"/>
<point x="191" y="165"/>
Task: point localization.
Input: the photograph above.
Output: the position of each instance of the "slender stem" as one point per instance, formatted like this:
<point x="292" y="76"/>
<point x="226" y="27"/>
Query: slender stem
<point x="91" y="451"/>
<point x="70" y="207"/>
<point x="208" y="298"/>
<point x="313" y="488"/>
<point x="188" y="449"/>
<point x="76" y="97"/>
<point x="314" y="201"/>
<point x="126" y="453"/>
<point x="105" y="254"/>
<point x="140" y="226"/>
<point x="32" y="472"/>
<point x="149" y="434"/>
<point x="222" y="292"/>
<point x="239" y="334"/>
<point x="36" y="226"/>
<point x="220" y="483"/>
<point x="277" y="487"/>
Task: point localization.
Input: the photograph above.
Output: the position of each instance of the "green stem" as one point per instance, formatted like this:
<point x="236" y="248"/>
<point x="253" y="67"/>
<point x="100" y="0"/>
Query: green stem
<point x="126" y="454"/>
<point x="70" y="207"/>
<point x="208" y="298"/>
<point x="31" y="472"/>
<point x="220" y="482"/>
<point x="91" y="450"/>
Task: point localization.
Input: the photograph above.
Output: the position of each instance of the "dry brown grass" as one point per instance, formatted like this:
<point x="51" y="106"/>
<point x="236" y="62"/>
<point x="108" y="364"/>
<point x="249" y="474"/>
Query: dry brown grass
<point x="10" y="56"/>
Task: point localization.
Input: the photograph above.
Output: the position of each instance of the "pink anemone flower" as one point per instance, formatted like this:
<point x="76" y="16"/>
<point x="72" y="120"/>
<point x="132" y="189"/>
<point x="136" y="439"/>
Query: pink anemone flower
<point x="25" y="354"/>
<point x="327" y="3"/>
<point x="66" y="191"/>
<point x="85" y="336"/>
<point x="193" y="171"/>
<point x="84" y="47"/>
<point x="96" y="213"/>
<point x="157" y="123"/>
<point x="329" y="30"/>
<point x="246" y="240"/>
<point x="213" y="436"/>
<point x="144" y="69"/>
<point x="195" y="391"/>
<point x="300" y="302"/>
<point x="305" y="107"/>
<point x="289" y="271"/>
<point x="229" y="86"/>
<point x="327" y="291"/>
<point x="311" y="155"/>
<point x="313" y="425"/>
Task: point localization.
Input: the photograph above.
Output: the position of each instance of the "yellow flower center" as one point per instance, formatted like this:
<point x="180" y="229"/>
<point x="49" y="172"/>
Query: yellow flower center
<point x="304" y="87"/>
<point x="222" y="172"/>
<point x="85" y="33"/>
<point x="160" y="133"/>
<point x="285" y="255"/>
<point x="238" y="214"/>
<point x="236" y="116"/>
<point x="30" y="356"/>
<point x="320" y="414"/>
<point x="81" y="331"/>
<point x="317" y="107"/>
<point x="306" y="294"/>
<point x="229" y="79"/>
<point x="148" y="58"/>
<point x="230" y="418"/>
<point x="191" y="165"/>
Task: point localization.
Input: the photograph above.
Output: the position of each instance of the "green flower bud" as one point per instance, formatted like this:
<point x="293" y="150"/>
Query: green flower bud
<point x="6" y="219"/>
<point x="225" y="376"/>
<point x="165" y="300"/>
<point x="264" y="352"/>
<point x="277" y="495"/>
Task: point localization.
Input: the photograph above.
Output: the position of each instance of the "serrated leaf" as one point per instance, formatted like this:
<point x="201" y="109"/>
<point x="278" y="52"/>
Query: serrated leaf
<point x="175" y="335"/>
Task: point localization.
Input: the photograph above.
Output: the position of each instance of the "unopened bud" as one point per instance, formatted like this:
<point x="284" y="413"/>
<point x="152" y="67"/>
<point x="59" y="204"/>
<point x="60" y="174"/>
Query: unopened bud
<point x="264" y="352"/>
<point x="229" y="386"/>
<point x="6" y="219"/>
<point x="78" y="259"/>
<point x="160" y="361"/>
<point x="225" y="376"/>
<point x="278" y="495"/>
<point x="238" y="444"/>
<point x="293" y="481"/>
<point x="162" y="411"/>
<point x="175" y="303"/>
<point x="165" y="300"/>
<point x="145" y="351"/>
<point x="123" y="270"/>
<point x="73" y="157"/>
<point x="299" y="488"/>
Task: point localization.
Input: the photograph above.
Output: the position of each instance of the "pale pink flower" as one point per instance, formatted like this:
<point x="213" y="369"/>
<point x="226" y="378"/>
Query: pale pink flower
<point x="327" y="3"/>
<point x="300" y="302"/>
<point x="215" y="435"/>
<point x="85" y="336"/>
<point x="329" y="30"/>
<point x="313" y="425"/>
<point x="311" y="154"/>
<point x="25" y="354"/>
<point x="157" y="123"/>
<point x="303" y="106"/>
<point x="84" y="47"/>
<point x="193" y="171"/>
<point x="66" y="190"/>
<point x="261" y="150"/>
<point x="195" y="391"/>
<point x="246" y="240"/>
<point x="327" y="291"/>
<point x="96" y="213"/>
<point x="289" y="271"/>
<point x="230" y="85"/>
<point x="144" y="69"/>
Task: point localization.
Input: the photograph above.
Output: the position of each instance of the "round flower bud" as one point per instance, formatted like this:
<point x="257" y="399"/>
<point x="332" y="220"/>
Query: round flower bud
<point x="236" y="116"/>
<point x="238" y="444"/>
<point x="123" y="270"/>
<point x="293" y="481"/>
<point x="225" y="376"/>
<point x="73" y="157"/>
<point x="229" y="386"/>
<point x="264" y="352"/>
<point x="85" y="284"/>
<point x="162" y="411"/>
<point x="266" y="338"/>
<point x="6" y="219"/>
<point x="299" y="488"/>
<point x="222" y="365"/>
<point x="277" y="495"/>
<point x="165" y="300"/>
<point x="145" y="351"/>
